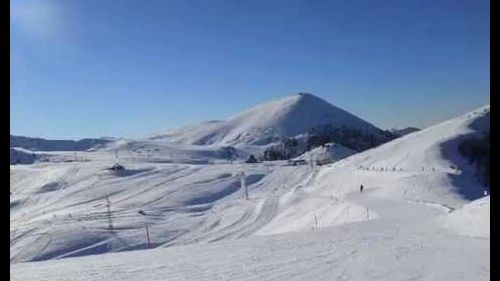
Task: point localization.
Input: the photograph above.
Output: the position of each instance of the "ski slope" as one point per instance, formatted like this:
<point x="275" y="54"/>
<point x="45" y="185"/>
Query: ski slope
<point x="415" y="168"/>
<point x="59" y="209"/>
<point x="411" y="222"/>
<point x="375" y="250"/>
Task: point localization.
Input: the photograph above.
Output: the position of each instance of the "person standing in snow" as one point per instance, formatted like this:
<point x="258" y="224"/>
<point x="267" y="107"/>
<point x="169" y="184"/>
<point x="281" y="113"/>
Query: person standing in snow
<point x="361" y="188"/>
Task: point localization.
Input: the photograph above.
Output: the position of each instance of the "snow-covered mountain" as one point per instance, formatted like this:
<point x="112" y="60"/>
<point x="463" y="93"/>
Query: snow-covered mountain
<point x="286" y="117"/>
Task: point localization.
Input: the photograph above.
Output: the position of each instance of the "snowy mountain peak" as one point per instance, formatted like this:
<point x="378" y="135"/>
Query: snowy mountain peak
<point x="285" y="117"/>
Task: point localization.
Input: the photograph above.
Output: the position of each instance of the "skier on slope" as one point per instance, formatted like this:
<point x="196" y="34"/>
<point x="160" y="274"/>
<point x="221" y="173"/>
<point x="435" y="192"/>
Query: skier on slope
<point x="361" y="188"/>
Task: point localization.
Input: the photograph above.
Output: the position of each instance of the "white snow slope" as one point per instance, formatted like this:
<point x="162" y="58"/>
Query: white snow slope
<point x="473" y="219"/>
<point x="412" y="221"/>
<point x="286" y="117"/>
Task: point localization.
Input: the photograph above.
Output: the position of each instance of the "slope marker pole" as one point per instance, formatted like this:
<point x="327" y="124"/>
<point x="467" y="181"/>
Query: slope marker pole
<point x="76" y="148"/>
<point x="110" y="220"/>
<point x="243" y="184"/>
<point x="147" y="236"/>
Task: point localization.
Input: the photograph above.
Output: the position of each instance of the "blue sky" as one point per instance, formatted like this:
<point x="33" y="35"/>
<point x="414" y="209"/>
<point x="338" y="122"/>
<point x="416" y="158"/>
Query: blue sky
<point x="88" y="68"/>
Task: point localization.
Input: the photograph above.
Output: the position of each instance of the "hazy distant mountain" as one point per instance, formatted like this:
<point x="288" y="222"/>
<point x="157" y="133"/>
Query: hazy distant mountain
<point x="40" y="144"/>
<point x="405" y="131"/>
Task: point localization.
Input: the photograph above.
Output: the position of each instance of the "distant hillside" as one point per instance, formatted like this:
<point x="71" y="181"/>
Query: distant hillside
<point x="21" y="156"/>
<point x="40" y="144"/>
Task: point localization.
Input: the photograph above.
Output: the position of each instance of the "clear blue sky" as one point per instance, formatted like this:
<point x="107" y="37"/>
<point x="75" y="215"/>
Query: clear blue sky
<point x="88" y="68"/>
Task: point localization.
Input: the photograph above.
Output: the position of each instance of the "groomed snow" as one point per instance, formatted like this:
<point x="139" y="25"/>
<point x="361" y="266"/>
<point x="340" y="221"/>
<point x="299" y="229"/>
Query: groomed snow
<point x="366" y="251"/>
